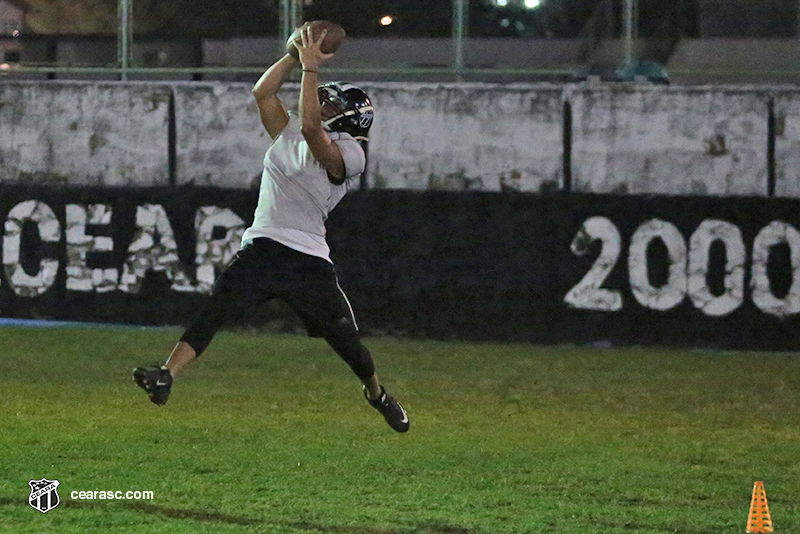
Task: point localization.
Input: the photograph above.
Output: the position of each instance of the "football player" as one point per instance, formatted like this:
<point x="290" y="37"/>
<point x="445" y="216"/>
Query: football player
<point x="307" y="170"/>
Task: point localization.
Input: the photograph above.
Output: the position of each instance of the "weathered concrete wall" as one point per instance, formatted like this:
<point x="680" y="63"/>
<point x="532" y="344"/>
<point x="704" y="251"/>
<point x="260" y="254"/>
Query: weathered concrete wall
<point x="694" y="60"/>
<point x="729" y="61"/>
<point x="787" y="144"/>
<point x="461" y="136"/>
<point x="84" y="134"/>
<point x="624" y="138"/>
<point x="219" y="137"/>
<point x="670" y="140"/>
<point x="451" y="136"/>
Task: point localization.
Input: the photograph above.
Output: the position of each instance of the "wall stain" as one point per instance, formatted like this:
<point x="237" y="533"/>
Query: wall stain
<point x="96" y="141"/>
<point x="780" y="124"/>
<point x="715" y="145"/>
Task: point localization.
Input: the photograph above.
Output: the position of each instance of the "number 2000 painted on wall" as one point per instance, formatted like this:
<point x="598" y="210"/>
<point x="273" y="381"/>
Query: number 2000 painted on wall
<point x="687" y="268"/>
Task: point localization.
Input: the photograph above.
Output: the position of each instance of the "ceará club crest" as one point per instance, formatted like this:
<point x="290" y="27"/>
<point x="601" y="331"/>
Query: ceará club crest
<point x="44" y="494"/>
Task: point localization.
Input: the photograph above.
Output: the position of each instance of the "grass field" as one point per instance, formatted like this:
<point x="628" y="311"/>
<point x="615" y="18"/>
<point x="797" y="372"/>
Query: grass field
<point x="270" y="434"/>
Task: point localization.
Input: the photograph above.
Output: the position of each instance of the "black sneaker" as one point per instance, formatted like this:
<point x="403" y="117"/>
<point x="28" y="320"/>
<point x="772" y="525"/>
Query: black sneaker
<point x="391" y="410"/>
<point x="156" y="381"/>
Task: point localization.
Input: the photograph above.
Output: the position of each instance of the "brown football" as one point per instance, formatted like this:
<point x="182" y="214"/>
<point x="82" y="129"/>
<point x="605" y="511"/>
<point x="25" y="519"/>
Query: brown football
<point x="332" y="42"/>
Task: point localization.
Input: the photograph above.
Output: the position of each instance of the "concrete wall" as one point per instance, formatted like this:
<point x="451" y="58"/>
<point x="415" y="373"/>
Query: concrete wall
<point x="721" y="60"/>
<point x="787" y="144"/>
<point x="453" y="137"/>
<point x="768" y="59"/>
<point x="459" y="137"/>
<point x="395" y="52"/>
<point x="622" y="138"/>
<point x="219" y="137"/>
<point x="703" y="141"/>
<point x="84" y="134"/>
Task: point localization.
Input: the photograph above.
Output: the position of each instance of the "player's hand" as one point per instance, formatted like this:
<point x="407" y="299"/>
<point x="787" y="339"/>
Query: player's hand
<point x="309" y="48"/>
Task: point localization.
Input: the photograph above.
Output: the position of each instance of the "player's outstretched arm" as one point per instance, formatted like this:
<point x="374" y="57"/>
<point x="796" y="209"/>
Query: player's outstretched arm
<point x="273" y="114"/>
<point x="323" y="150"/>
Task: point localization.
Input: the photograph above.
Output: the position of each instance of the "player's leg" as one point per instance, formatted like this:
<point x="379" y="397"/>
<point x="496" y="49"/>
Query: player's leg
<point x="182" y="355"/>
<point x="157" y="379"/>
<point x="237" y="288"/>
<point x="327" y="313"/>
<point x="346" y="342"/>
<point x="233" y="293"/>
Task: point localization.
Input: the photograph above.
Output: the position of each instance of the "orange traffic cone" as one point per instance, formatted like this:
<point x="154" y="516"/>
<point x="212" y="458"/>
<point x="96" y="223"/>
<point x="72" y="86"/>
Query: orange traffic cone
<point x="759" y="520"/>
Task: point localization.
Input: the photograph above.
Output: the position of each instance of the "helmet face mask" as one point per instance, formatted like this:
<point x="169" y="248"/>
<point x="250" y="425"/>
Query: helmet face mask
<point x="332" y="107"/>
<point x="347" y="108"/>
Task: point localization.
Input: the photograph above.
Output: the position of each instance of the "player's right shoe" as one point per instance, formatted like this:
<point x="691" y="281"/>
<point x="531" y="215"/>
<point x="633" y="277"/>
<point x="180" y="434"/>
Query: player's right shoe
<point x="156" y="381"/>
<point x="390" y="409"/>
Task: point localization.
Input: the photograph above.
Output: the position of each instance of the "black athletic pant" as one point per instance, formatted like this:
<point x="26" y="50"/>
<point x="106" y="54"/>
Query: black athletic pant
<point x="266" y="269"/>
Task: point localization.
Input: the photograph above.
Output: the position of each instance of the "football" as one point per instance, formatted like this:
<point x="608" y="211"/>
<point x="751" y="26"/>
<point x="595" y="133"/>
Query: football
<point x="332" y="42"/>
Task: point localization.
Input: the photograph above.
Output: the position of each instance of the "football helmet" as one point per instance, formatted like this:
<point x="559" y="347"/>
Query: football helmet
<point x="354" y="109"/>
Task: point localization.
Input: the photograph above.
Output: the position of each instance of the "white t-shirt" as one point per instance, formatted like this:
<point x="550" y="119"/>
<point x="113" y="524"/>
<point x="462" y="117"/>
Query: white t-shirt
<point x="296" y="195"/>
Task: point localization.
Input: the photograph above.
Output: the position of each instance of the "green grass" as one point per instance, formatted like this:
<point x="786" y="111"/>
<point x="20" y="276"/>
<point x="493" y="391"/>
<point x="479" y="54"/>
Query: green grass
<point x="269" y="434"/>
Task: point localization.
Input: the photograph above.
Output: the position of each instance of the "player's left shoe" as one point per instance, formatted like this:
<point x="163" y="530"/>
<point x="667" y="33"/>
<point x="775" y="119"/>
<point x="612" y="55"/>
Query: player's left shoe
<point x="156" y="381"/>
<point x="391" y="410"/>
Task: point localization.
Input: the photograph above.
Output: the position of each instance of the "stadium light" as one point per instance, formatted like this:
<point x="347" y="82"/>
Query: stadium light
<point x="386" y="20"/>
<point x="501" y="3"/>
<point x="532" y="4"/>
